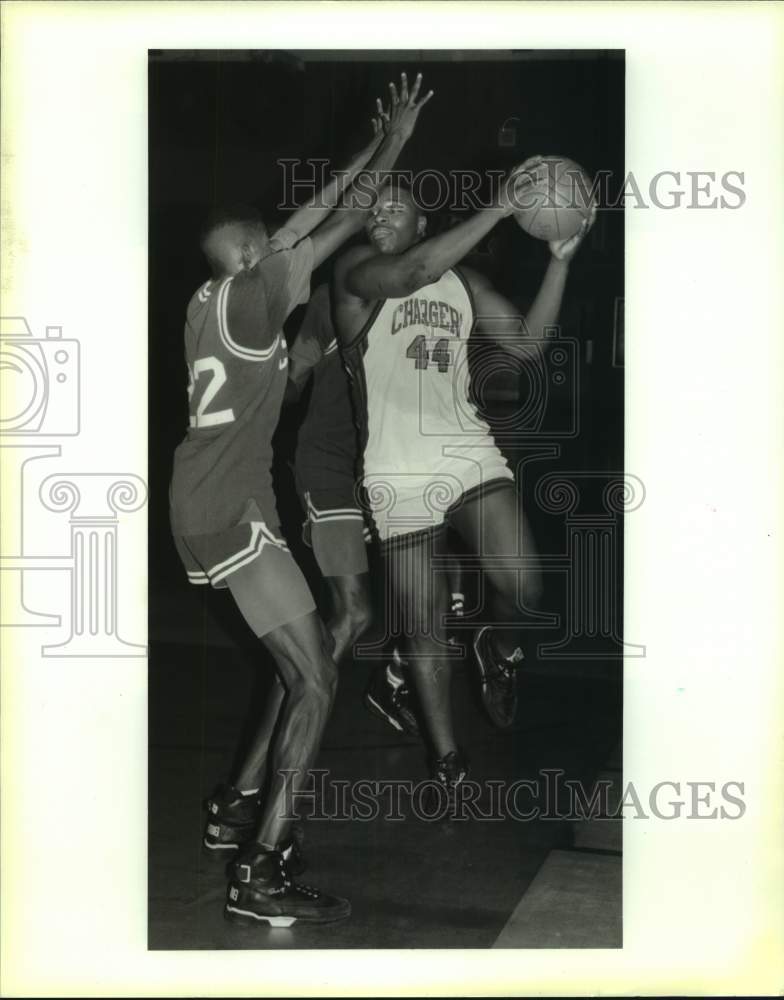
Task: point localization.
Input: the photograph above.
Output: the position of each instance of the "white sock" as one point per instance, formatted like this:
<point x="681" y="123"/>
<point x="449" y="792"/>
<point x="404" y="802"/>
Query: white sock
<point x="394" y="678"/>
<point x="251" y="791"/>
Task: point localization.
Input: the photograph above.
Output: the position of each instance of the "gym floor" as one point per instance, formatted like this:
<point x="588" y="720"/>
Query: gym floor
<point x="539" y="883"/>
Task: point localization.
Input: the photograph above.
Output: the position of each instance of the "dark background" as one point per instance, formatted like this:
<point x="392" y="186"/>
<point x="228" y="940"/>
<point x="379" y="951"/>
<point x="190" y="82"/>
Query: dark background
<point x="219" y="124"/>
<point x="220" y="121"/>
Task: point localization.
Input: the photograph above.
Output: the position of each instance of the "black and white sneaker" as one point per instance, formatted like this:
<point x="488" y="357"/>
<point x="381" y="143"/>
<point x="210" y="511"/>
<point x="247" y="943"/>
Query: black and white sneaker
<point x="260" y="891"/>
<point x="390" y="698"/>
<point x="232" y="822"/>
<point x="232" y="819"/>
<point x="498" y="678"/>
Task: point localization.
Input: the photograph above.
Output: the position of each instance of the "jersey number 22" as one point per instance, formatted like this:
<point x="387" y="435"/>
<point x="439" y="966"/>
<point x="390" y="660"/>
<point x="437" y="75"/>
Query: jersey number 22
<point x="213" y="367"/>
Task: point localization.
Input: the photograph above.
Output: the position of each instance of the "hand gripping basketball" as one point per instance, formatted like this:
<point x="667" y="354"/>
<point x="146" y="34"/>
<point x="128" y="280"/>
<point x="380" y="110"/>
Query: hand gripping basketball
<point x="519" y="179"/>
<point x="566" y="249"/>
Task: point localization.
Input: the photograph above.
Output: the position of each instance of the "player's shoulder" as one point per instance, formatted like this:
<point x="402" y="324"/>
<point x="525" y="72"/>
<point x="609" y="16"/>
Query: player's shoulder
<point x="352" y="257"/>
<point x="267" y="276"/>
<point x="201" y="298"/>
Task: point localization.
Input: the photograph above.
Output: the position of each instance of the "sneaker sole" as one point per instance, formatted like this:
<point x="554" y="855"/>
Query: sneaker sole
<point x="239" y="916"/>
<point x="248" y="917"/>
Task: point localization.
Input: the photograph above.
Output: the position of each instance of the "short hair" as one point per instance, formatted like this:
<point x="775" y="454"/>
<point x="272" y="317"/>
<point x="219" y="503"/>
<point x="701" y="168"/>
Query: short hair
<point x="245" y="216"/>
<point x="235" y="214"/>
<point x="399" y="185"/>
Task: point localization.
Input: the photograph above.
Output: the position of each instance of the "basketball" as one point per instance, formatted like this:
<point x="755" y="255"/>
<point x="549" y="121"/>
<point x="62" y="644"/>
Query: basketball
<point x="554" y="206"/>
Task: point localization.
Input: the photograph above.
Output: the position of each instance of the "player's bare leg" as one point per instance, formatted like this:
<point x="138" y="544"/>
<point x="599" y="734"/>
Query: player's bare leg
<point x="234" y="809"/>
<point x="493" y="525"/>
<point x="389" y="694"/>
<point x="253" y="772"/>
<point x="422" y="601"/>
<point x="302" y="655"/>
<point x="261" y="888"/>
<point x="351" y="610"/>
<point x="268" y="590"/>
<point x="432" y="677"/>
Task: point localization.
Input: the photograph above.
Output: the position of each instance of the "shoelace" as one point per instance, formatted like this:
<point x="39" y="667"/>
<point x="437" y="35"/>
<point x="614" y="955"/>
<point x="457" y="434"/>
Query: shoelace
<point x="307" y="890"/>
<point x="288" y="885"/>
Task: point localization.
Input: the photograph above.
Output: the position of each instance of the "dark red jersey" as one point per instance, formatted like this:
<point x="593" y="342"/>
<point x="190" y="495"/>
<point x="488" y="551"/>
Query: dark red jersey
<point x="237" y="371"/>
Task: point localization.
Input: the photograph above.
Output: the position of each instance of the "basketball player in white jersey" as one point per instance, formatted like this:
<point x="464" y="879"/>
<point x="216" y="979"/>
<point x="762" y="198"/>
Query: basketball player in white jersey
<point x="404" y="313"/>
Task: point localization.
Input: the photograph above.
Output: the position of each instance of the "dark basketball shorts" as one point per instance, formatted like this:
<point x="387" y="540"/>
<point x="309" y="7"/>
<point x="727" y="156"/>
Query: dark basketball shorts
<point x="254" y="562"/>
<point x="335" y="529"/>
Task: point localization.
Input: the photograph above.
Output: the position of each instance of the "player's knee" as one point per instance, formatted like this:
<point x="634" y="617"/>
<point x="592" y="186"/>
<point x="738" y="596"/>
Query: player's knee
<point x="315" y="684"/>
<point x="323" y="679"/>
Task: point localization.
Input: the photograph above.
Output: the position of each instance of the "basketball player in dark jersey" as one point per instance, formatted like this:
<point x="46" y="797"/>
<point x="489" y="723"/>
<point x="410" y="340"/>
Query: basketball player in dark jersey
<point x="404" y="313"/>
<point x="326" y="477"/>
<point x="226" y="526"/>
<point x="325" y="472"/>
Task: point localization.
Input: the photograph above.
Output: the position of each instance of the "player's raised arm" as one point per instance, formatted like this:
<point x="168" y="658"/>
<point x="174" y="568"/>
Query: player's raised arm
<point x="498" y="318"/>
<point x="399" y="123"/>
<point x="309" y="216"/>
<point x="394" y="276"/>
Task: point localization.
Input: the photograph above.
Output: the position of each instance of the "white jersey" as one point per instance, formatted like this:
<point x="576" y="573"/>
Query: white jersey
<point x="425" y="443"/>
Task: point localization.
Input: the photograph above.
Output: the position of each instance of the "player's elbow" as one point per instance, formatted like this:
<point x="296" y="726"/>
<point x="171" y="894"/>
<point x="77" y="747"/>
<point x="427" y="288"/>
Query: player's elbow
<point x="393" y="279"/>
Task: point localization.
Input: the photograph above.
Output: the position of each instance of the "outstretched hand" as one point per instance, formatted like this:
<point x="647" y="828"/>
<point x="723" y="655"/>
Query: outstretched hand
<point x="401" y="116"/>
<point x="376" y="139"/>
<point x="566" y="249"/>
